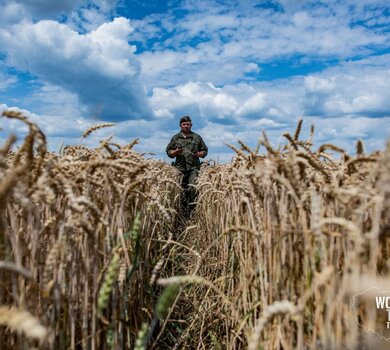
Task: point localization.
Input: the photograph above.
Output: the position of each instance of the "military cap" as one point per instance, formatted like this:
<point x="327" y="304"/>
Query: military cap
<point x="185" y="118"/>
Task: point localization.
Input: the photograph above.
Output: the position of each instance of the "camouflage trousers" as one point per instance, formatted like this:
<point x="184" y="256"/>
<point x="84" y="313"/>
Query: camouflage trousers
<point x="189" y="192"/>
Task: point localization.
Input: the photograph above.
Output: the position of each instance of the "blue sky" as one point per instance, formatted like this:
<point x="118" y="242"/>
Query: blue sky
<point x="237" y="67"/>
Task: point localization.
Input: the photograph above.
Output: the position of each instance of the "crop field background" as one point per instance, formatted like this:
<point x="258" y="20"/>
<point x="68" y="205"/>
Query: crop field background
<point x="94" y="253"/>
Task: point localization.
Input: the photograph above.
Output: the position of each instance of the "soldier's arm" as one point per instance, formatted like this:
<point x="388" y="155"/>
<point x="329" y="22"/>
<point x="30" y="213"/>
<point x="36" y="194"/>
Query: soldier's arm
<point x="202" y="147"/>
<point x="173" y="150"/>
<point x="170" y="147"/>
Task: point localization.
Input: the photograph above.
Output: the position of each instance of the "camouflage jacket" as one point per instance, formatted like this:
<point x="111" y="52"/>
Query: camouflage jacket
<point x="191" y="144"/>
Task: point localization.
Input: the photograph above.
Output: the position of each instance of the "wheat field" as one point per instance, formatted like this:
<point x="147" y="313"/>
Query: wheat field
<point x="94" y="252"/>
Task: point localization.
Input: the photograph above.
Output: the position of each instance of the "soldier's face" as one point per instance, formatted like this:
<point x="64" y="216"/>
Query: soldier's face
<point x="185" y="127"/>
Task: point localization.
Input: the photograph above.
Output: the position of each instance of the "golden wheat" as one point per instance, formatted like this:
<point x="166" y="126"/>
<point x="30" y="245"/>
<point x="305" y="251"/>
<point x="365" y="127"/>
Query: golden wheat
<point x="279" y="242"/>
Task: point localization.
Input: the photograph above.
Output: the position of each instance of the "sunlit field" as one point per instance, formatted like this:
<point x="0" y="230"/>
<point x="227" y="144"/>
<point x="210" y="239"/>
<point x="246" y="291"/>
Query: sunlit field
<point x="95" y="254"/>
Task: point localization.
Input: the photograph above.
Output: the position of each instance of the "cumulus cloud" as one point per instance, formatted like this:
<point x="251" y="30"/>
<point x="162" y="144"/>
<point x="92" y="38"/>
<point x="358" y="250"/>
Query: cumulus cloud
<point x="12" y="13"/>
<point x="231" y="104"/>
<point x="100" y="66"/>
<point x="356" y="89"/>
<point x="344" y="132"/>
<point x="203" y="100"/>
<point x="253" y="105"/>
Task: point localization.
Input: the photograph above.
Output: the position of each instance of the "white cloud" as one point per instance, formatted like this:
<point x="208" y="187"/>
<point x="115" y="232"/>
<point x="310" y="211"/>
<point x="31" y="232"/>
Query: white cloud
<point x="239" y="38"/>
<point x="347" y="97"/>
<point x="354" y="88"/>
<point x="163" y="113"/>
<point x="52" y="125"/>
<point x="51" y="100"/>
<point x="152" y="64"/>
<point x="87" y="19"/>
<point x="206" y="100"/>
<point x="100" y="66"/>
<point x="209" y="23"/>
<point x="233" y="104"/>
<point x="344" y="132"/>
<point x="6" y="81"/>
<point x="252" y="67"/>
<point x="12" y="13"/>
<point x="254" y="104"/>
<point x="315" y="84"/>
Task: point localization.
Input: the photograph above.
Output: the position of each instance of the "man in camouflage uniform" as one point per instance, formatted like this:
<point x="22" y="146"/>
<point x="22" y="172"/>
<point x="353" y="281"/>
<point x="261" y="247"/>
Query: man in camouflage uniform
<point x="187" y="147"/>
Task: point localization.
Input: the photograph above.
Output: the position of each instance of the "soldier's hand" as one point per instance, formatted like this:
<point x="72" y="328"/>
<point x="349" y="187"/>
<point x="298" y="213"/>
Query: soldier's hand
<point x="178" y="151"/>
<point x="199" y="154"/>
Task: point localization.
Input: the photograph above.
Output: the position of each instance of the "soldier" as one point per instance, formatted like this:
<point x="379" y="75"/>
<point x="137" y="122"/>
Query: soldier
<point x="187" y="147"/>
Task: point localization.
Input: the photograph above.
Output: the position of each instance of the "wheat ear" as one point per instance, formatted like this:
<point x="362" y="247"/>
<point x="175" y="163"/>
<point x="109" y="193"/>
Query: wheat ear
<point x="22" y="321"/>
<point x="96" y="127"/>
